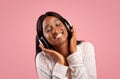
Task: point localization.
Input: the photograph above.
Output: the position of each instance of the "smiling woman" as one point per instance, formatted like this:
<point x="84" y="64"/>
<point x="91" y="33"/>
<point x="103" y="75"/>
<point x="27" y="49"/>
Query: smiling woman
<point x="58" y="54"/>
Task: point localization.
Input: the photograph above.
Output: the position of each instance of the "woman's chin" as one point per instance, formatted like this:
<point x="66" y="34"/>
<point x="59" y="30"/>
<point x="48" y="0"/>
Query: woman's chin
<point x="60" y="42"/>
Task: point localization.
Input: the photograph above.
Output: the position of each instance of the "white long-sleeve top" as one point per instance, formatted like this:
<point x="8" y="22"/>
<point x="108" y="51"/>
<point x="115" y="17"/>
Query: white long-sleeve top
<point x="81" y="64"/>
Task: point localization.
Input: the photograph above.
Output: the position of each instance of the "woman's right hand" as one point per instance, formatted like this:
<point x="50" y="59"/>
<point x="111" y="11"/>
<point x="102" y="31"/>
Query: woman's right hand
<point x="54" y="54"/>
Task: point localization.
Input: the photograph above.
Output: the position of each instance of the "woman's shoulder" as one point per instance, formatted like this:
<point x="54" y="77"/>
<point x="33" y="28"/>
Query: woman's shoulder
<point x="85" y="46"/>
<point x="40" y="57"/>
<point x="85" y="43"/>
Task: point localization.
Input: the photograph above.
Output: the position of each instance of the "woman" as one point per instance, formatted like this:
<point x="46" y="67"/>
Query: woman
<point x="58" y="54"/>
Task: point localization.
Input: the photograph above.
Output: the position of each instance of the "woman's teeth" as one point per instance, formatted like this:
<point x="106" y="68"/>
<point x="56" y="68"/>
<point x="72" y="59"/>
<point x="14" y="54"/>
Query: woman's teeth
<point x="59" y="35"/>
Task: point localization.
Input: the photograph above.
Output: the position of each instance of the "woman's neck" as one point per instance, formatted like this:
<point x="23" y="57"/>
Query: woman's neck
<point x="63" y="49"/>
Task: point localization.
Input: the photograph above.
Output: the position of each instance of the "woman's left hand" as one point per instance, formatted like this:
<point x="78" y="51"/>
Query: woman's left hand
<point x="73" y="47"/>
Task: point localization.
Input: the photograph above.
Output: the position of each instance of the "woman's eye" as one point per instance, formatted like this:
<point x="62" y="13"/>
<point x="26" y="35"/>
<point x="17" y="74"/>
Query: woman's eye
<point x="57" y="24"/>
<point x="48" y="29"/>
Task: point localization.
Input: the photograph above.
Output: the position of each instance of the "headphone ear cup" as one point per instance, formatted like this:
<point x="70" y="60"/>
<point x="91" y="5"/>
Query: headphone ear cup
<point x="44" y="42"/>
<point x="68" y="25"/>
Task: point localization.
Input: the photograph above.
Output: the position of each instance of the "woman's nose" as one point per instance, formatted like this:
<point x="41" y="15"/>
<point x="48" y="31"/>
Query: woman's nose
<point x="54" y="30"/>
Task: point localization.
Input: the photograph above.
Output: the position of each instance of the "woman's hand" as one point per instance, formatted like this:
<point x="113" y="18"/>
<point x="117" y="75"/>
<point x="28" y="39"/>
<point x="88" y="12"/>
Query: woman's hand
<point x="73" y="46"/>
<point x="54" y="54"/>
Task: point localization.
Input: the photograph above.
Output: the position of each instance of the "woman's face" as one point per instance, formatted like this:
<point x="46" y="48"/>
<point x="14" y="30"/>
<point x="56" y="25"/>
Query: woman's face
<point x="54" y="31"/>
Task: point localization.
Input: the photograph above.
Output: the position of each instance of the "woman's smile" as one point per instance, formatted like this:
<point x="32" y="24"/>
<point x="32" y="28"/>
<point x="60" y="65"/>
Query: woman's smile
<point x="58" y="35"/>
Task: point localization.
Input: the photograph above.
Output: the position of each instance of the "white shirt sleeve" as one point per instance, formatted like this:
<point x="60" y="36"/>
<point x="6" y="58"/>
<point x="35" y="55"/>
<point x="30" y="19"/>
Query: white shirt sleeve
<point x="83" y="67"/>
<point x="58" y="72"/>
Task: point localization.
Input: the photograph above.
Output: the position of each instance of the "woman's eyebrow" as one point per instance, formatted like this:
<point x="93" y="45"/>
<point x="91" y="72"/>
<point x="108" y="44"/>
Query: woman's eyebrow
<point x="47" y="26"/>
<point x="56" y="20"/>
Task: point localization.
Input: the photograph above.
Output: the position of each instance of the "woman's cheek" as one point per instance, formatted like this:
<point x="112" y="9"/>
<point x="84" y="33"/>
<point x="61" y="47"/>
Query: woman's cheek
<point x="48" y="37"/>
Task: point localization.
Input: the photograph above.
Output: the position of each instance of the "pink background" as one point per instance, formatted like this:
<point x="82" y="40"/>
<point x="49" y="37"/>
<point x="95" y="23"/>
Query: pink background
<point x="96" y="21"/>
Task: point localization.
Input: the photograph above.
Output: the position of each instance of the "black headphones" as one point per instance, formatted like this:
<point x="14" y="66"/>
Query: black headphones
<point x="46" y="44"/>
